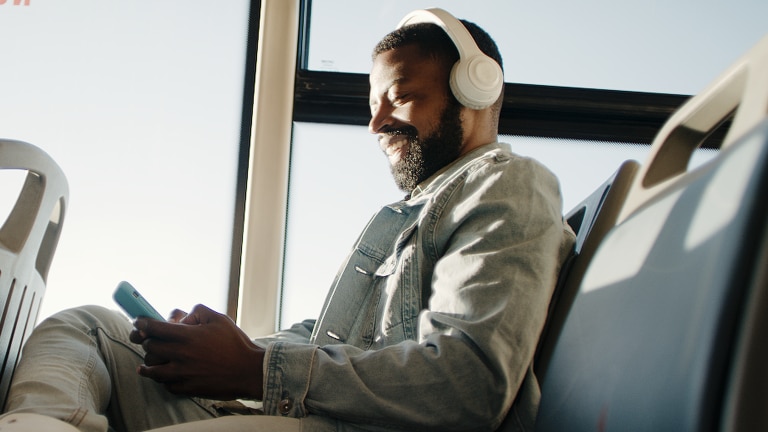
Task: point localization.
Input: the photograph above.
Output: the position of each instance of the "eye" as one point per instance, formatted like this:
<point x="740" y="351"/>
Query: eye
<point x="400" y="98"/>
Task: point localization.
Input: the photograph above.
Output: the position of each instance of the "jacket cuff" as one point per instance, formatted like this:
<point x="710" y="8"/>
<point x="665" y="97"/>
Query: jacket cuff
<point x="287" y="370"/>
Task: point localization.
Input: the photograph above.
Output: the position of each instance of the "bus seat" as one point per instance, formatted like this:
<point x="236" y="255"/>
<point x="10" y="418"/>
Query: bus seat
<point x="590" y="220"/>
<point x="666" y="331"/>
<point x="28" y="239"/>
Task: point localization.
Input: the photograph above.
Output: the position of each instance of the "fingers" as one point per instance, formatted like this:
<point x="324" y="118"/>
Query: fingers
<point x="146" y="330"/>
<point x="205" y="354"/>
<point x="158" y="351"/>
<point x="159" y="373"/>
<point x="152" y="359"/>
<point x="150" y="328"/>
<point x="167" y="341"/>
<point x="177" y="315"/>
<point x="169" y="376"/>
<point x="175" y="332"/>
<point x="201" y="314"/>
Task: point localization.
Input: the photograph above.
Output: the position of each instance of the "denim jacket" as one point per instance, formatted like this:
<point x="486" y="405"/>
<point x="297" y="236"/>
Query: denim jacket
<point x="433" y="320"/>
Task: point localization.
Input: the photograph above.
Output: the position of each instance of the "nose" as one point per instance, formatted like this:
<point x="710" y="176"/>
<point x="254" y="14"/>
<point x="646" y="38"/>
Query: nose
<point x="381" y="117"/>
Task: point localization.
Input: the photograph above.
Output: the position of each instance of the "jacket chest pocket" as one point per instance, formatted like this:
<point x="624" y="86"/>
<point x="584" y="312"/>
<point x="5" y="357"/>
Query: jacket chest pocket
<point x="357" y="302"/>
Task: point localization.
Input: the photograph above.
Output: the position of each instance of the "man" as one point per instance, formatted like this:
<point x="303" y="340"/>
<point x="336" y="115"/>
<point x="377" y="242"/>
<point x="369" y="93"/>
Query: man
<point x="430" y="325"/>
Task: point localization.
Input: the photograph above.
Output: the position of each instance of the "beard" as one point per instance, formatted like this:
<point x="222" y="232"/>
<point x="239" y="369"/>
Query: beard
<point x="428" y="155"/>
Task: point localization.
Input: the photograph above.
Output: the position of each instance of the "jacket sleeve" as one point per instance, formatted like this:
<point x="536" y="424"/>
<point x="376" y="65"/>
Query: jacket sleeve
<point x="297" y="333"/>
<point x="500" y="241"/>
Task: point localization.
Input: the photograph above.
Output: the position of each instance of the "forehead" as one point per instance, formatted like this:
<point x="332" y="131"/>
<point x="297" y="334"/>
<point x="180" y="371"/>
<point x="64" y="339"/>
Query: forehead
<point x="406" y="64"/>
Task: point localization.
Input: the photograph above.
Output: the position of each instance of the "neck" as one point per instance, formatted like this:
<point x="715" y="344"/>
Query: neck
<point x="479" y="129"/>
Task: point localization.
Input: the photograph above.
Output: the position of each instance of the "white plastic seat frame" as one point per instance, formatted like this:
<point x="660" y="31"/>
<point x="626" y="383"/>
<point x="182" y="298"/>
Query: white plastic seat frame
<point x="28" y="240"/>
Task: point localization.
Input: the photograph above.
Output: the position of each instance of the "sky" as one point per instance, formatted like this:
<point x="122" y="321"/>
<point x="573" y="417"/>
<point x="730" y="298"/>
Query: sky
<point x="667" y="46"/>
<point x="139" y="102"/>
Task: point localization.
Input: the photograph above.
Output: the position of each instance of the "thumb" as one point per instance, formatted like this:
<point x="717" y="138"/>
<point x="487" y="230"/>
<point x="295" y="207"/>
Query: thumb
<point x="200" y="314"/>
<point x="177" y="315"/>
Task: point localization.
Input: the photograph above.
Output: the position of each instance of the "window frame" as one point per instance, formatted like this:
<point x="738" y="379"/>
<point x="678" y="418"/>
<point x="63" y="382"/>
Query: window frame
<point x="241" y="183"/>
<point x="599" y="115"/>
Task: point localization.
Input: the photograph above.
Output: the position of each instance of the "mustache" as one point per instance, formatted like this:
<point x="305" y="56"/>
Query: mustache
<point x="408" y="131"/>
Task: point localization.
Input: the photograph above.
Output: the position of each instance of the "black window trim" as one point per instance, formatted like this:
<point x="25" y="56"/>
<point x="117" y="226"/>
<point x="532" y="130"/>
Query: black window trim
<point x="528" y="110"/>
<point x="241" y="182"/>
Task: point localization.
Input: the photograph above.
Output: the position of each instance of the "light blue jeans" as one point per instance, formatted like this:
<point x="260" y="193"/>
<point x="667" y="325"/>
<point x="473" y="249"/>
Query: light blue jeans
<point x="79" y="366"/>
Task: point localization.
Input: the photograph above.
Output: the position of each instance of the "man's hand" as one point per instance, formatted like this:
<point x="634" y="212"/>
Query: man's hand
<point x="177" y="315"/>
<point x="203" y="354"/>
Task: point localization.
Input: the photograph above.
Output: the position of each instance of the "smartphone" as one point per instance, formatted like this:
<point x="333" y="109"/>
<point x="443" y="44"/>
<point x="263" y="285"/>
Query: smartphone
<point x="133" y="303"/>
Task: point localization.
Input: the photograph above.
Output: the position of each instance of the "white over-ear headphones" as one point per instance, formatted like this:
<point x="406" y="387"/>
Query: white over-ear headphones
<point x="476" y="79"/>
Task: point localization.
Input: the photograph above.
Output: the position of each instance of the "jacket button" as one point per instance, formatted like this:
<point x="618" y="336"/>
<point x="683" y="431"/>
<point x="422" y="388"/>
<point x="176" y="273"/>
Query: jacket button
<point x="285" y="406"/>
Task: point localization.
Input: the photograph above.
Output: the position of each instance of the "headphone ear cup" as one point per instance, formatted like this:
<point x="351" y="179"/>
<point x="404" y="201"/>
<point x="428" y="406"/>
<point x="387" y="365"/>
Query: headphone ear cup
<point x="476" y="81"/>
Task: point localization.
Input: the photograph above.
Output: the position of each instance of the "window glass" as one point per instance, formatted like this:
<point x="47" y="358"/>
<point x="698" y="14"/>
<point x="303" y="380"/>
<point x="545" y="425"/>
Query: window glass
<point x="658" y="46"/>
<point x="582" y="166"/>
<point x="140" y="104"/>
<point x="339" y="179"/>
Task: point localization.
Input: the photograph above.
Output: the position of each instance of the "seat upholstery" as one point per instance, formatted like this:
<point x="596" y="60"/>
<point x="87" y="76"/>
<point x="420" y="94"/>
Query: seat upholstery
<point x="664" y="330"/>
<point x="590" y="219"/>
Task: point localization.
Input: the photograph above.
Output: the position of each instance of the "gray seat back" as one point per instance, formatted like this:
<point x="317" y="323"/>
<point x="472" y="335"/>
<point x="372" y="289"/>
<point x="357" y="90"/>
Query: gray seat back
<point x="590" y="219"/>
<point x="663" y="332"/>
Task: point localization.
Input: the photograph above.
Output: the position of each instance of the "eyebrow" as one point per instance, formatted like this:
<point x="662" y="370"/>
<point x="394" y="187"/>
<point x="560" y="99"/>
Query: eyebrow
<point x="394" y="82"/>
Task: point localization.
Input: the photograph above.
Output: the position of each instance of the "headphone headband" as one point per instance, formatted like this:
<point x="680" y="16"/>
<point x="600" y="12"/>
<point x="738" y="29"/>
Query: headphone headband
<point x="476" y="79"/>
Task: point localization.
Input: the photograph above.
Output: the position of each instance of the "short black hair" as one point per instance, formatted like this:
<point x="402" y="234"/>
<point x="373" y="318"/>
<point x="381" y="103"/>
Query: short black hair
<point x="433" y="41"/>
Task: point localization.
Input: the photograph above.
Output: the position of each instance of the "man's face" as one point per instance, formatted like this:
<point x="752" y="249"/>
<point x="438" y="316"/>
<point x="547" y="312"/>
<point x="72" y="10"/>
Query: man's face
<point x="418" y="124"/>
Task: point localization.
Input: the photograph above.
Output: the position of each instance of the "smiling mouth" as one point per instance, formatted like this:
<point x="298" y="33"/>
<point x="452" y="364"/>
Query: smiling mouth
<point x="395" y="144"/>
